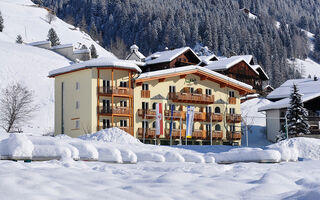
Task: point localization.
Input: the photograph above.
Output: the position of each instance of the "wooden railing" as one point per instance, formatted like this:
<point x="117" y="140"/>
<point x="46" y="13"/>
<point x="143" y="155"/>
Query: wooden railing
<point x="234" y="135"/>
<point x="232" y="100"/>
<point x="233" y="118"/>
<point x="149" y="132"/>
<point x="176" y="115"/>
<point x="117" y="91"/>
<point x="215" y="117"/>
<point x="191" y="98"/>
<point x="175" y="133"/>
<point x="199" y="116"/>
<point x="115" y="111"/>
<point x="148" y="114"/>
<point x="145" y="93"/>
<point x="199" y="134"/>
<point x="217" y="135"/>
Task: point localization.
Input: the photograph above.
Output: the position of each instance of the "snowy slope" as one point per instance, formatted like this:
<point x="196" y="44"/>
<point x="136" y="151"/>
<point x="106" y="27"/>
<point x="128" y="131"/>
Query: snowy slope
<point x="24" y="18"/>
<point x="30" y="66"/>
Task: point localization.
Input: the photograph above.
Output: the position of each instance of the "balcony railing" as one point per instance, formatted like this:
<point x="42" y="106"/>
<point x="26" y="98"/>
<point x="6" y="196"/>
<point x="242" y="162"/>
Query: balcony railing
<point x="199" y="134"/>
<point x="176" y="115"/>
<point x="145" y="93"/>
<point x="232" y="100"/>
<point x="117" y="91"/>
<point x="191" y="98"/>
<point x="149" y="132"/>
<point x="148" y="114"/>
<point x="216" y="117"/>
<point x="199" y="116"/>
<point x="217" y="135"/>
<point x="234" y="135"/>
<point x="175" y="133"/>
<point x="233" y="118"/>
<point x="114" y="111"/>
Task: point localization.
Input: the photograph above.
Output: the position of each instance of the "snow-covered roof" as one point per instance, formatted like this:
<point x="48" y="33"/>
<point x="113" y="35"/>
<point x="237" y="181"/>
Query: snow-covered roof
<point x="80" y="51"/>
<point x="285" y="103"/>
<point x="247" y="58"/>
<point x="250" y="96"/>
<point x="268" y="86"/>
<point x="190" y="68"/>
<point x="167" y="56"/>
<point x="98" y="62"/>
<point x="305" y="86"/>
<point x="207" y="59"/>
<point x="224" y="64"/>
<point x="261" y="71"/>
<point x="61" y="46"/>
<point x="39" y="43"/>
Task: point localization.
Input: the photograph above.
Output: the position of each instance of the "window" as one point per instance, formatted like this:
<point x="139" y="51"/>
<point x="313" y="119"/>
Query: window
<point x="232" y="111"/>
<point x="145" y="105"/>
<point x="208" y="92"/>
<point x="145" y="124"/>
<point x="231" y="93"/>
<point x="217" y="110"/>
<point x="191" y="90"/>
<point x="123" y="123"/>
<point x="208" y="109"/>
<point x="123" y="84"/>
<point x="172" y="106"/>
<point x="123" y="103"/>
<point x="77" y="124"/>
<point x="174" y="125"/>
<point x="154" y="124"/>
<point x="77" y="104"/>
<point x="106" y="123"/>
<point x="145" y="86"/>
<point x="77" y="85"/>
<point x="106" y="83"/>
<point x="172" y="89"/>
<point x="208" y="128"/>
<point x="217" y="127"/>
<point x="154" y="106"/>
<point x="232" y="128"/>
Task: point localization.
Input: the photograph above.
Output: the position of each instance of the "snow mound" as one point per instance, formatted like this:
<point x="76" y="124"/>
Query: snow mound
<point x="248" y="155"/>
<point x="86" y="151"/>
<point x="48" y="152"/>
<point x="300" y="147"/>
<point x="109" y="154"/>
<point x="148" y="156"/>
<point x="190" y="157"/>
<point x="16" y="146"/>
<point x="128" y="156"/>
<point x="113" y="135"/>
<point x="172" y="156"/>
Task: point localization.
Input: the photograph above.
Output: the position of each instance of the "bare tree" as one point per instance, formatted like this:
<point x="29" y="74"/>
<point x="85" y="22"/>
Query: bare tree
<point x="16" y="107"/>
<point x="51" y="17"/>
<point x="119" y="48"/>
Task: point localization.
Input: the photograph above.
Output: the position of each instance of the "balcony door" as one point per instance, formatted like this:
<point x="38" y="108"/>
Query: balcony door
<point x="106" y="85"/>
<point x="106" y="123"/>
<point x="106" y="105"/>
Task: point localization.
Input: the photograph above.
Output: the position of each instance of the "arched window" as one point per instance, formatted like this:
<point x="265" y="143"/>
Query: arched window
<point x="217" y="127"/>
<point x="217" y="110"/>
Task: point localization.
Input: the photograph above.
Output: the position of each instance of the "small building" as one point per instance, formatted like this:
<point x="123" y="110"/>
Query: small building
<point x="280" y="97"/>
<point x="135" y="54"/>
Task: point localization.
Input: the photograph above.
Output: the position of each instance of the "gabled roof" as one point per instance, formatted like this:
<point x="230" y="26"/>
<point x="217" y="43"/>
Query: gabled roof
<point x="305" y="86"/>
<point x="224" y="64"/>
<point x="262" y="73"/>
<point x="222" y="79"/>
<point x="167" y="56"/>
<point x="98" y="62"/>
<point x="158" y="97"/>
<point x="285" y="103"/>
<point x="247" y="58"/>
<point x="207" y="59"/>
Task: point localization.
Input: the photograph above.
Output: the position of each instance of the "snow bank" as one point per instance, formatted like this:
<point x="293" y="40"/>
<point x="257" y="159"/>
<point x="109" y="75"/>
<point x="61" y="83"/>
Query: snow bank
<point x="49" y="152"/>
<point x="248" y="155"/>
<point x="300" y="147"/>
<point x="128" y="156"/>
<point x="113" y="135"/>
<point x="16" y="146"/>
<point x="109" y="154"/>
<point x="190" y="157"/>
<point x="173" y="156"/>
<point x="149" y="156"/>
<point x="86" y="151"/>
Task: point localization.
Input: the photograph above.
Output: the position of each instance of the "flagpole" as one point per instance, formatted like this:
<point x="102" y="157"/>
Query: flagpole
<point x="211" y="129"/>
<point x="144" y="130"/>
<point x="180" y="129"/>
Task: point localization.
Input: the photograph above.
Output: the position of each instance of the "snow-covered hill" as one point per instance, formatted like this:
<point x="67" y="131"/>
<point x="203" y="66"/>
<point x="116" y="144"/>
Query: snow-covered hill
<point x="25" y="18"/>
<point x="31" y="65"/>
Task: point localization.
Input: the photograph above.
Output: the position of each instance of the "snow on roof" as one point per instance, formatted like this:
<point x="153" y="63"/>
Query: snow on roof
<point x="39" y="43"/>
<point x="224" y="64"/>
<point x="62" y="46"/>
<point x="247" y="58"/>
<point x="285" y="103"/>
<point x="206" y="59"/>
<point x="80" y="51"/>
<point x="268" y="86"/>
<point x="250" y="96"/>
<point x="167" y="56"/>
<point x="259" y="69"/>
<point x="190" y="68"/>
<point x="98" y="62"/>
<point x="305" y="86"/>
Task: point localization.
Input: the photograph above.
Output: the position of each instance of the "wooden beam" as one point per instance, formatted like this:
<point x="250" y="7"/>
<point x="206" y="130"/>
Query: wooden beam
<point x="222" y="85"/>
<point x="183" y="75"/>
<point x="203" y="78"/>
<point x="162" y="79"/>
<point x="139" y="83"/>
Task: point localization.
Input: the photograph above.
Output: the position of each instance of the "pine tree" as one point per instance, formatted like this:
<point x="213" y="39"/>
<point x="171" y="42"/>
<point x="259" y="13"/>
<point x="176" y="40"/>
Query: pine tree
<point x="19" y="39"/>
<point x="93" y="51"/>
<point x="1" y="22"/>
<point x="297" y="115"/>
<point x="53" y="37"/>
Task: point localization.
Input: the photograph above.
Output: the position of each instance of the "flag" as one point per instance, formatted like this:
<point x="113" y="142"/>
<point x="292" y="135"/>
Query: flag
<point x="171" y="122"/>
<point x="159" y="120"/>
<point x="190" y="117"/>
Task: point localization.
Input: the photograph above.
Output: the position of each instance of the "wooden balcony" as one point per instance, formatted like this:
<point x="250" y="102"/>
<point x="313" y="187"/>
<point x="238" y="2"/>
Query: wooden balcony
<point x="216" y="135"/>
<point x="149" y="132"/>
<point x="115" y="91"/>
<point x="176" y="133"/>
<point x="145" y="93"/>
<point x="234" y="135"/>
<point x="232" y="100"/>
<point x="146" y="114"/>
<point x="114" y="111"/>
<point x="176" y="115"/>
<point x="199" y="134"/>
<point x="200" y="116"/>
<point x="215" y="117"/>
<point x="191" y="98"/>
<point x="233" y="118"/>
